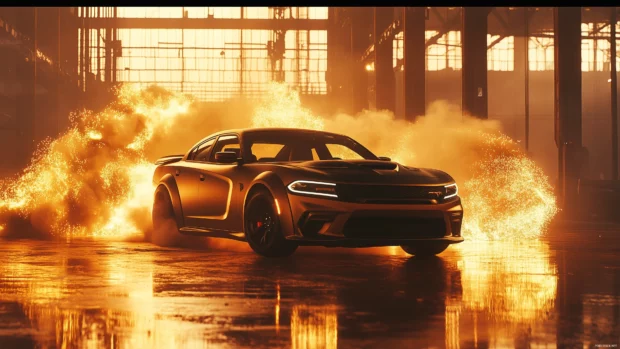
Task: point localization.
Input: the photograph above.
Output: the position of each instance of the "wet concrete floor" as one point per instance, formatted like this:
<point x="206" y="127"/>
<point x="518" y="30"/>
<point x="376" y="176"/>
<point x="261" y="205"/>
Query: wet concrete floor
<point x="562" y="292"/>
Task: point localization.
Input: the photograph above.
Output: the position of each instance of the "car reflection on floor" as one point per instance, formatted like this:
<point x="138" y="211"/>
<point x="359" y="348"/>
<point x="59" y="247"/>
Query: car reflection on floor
<point x="135" y="295"/>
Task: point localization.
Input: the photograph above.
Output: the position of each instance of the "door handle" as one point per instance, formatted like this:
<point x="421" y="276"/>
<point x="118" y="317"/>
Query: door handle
<point x="177" y="172"/>
<point x="202" y="178"/>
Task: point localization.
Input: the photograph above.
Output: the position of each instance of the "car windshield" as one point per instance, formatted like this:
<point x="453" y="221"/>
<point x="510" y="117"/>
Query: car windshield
<point x="282" y="146"/>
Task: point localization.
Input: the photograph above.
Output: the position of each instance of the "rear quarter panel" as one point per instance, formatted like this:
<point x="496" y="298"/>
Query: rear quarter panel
<point x="164" y="175"/>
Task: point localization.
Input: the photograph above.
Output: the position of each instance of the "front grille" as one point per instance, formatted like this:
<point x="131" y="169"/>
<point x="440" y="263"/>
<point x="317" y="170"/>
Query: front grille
<point x="390" y="194"/>
<point x="395" y="227"/>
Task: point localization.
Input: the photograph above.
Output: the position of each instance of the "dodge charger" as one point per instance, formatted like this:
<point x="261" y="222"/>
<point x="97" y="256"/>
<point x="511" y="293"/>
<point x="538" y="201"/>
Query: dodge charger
<point x="280" y="188"/>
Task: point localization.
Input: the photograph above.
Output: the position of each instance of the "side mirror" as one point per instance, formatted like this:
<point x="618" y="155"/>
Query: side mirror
<point x="226" y="157"/>
<point x="384" y="158"/>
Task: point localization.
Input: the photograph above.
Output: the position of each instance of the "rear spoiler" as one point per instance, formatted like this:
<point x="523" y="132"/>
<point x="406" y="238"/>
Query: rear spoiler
<point x="168" y="159"/>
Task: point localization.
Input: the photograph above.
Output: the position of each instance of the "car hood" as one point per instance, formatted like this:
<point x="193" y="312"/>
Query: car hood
<point x="368" y="171"/>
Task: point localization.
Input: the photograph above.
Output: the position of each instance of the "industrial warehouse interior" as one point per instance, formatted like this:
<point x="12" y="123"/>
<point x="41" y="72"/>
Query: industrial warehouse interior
<point x="517" y="106"/>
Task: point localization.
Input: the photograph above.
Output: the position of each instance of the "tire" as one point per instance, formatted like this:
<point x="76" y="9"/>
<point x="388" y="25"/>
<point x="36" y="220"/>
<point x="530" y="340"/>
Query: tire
<point x="165" y="228"/>
<point x="262" y="227"/>
<point x="425" y="249"/>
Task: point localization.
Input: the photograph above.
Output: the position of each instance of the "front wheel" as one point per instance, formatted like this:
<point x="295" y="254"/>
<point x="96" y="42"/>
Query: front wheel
<point x="262" y="227"/>
<point x="424" y="249"/>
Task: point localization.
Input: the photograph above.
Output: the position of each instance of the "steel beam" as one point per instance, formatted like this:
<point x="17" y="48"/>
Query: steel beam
<point x="387" y="35"/>
<point x="414" y="62"/>
<point x="474" y="72"/>
<point x="447" y="26"/>
<point x="209" y="23"/>
<point x="496" y="41"/>
<point x="567" y="22"/>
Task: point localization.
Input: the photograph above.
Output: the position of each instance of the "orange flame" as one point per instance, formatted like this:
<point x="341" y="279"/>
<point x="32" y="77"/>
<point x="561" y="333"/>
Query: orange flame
<point x="93" y="180"/>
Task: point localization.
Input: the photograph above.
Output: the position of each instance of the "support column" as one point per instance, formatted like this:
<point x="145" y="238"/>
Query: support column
<point x="25" y="101"/>
<point x="339" y="53"/>
<point x="384" y="69"/>
<point x="115" y="54"/>
<point x="59" y="78"/>
<point x="108" y="55"/>
<point x="521" y="69"/>
<point x="567" y="34"/>
<point x="614" y="97"/>
<point x="474" y="42"/>
<point x="414" y="57"/>
<point x="361" y="18"/>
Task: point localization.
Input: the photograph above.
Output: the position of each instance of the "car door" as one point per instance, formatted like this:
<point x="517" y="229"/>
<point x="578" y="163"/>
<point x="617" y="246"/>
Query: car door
<point x="216" y="190"/>
<point x="188" y="181"/>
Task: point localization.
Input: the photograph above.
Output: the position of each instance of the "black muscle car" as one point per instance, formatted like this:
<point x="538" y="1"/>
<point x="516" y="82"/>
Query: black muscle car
<point x="280" y="188"/>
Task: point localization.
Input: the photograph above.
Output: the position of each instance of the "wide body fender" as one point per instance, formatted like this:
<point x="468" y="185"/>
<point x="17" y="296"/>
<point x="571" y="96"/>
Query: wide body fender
<point x="276" y="187"/>
<point x="168" y="181"/>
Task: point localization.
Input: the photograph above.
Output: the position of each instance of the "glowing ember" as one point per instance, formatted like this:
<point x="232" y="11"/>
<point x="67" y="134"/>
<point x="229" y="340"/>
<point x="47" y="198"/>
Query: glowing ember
<point x="94" y="135"/>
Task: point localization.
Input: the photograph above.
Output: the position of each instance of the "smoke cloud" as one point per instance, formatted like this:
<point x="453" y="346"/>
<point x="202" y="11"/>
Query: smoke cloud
<point x="96" y="179"/>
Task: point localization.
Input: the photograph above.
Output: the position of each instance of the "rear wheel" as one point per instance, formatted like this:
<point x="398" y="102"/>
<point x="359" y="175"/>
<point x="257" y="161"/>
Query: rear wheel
<point x="165" y="228"/>
<point x="262" y="227"/>
<point x="425" y="249"/>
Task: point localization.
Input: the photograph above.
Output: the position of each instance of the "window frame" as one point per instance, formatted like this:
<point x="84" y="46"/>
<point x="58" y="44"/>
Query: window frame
<point x="190" y="156"/>
<point x="212" y="154"/>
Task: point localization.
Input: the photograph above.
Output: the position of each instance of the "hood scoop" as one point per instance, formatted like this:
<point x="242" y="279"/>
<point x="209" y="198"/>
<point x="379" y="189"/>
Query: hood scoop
<point x="325" y="164"/>
<point x="379" y="166"/>
<point x="355" y="164"/>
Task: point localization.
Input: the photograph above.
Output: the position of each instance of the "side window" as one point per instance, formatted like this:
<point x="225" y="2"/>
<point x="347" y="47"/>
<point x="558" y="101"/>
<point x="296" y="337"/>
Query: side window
<point x="226" y="143"/>
<point x="202" y="151"/>
<point x="265" y="150"/>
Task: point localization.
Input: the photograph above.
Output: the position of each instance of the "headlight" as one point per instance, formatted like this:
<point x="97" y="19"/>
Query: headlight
<point x="313" y="188"/>
<point x="452" y="190"/>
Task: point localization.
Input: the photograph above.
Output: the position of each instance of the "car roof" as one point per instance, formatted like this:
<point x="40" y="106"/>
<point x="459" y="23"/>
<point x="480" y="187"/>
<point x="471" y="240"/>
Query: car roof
<point x="242" y="131"/>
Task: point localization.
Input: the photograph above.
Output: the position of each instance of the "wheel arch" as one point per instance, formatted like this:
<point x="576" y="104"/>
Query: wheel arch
<point x="170" y="184"/>
<point x="274" y="185"/>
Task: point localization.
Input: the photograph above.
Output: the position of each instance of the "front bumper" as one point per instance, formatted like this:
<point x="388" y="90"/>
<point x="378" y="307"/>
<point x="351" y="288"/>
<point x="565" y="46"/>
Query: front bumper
<point x="326" y="222"/>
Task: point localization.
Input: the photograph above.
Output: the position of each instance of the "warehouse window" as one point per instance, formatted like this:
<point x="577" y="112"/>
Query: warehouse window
<point x="445" y="53"/>
<point x="215" y="64"/>
<point x="219" y="12"/>
<point x="595" y="47"/>
<point x="541" y="52"/>
<point x="501" y="54"/>
<point x="149" y="12"/>
<point x="397" y="47"/>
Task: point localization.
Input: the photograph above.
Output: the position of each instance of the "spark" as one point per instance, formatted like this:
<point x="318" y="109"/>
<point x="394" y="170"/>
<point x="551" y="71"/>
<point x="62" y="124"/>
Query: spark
<point x="507" y="194"/>
<point x="94" y="135"/>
